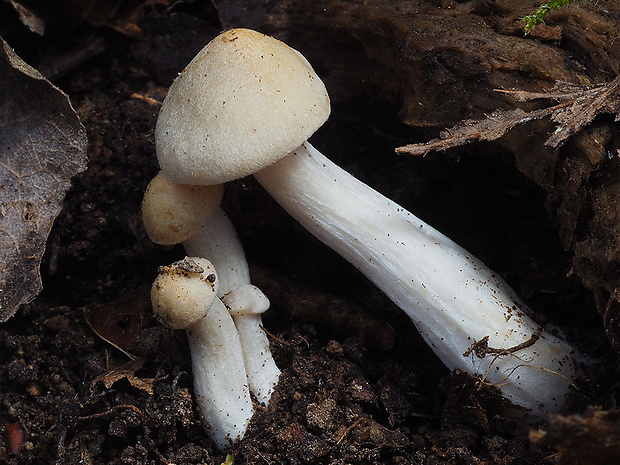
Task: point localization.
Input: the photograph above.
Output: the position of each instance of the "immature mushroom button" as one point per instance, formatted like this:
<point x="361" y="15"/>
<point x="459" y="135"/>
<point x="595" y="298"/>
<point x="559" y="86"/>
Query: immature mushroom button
<point x="184" y="295"/>
<point x="278" y="103"/>
<point x="172" y="212"/>
<point x="184" y="292"/>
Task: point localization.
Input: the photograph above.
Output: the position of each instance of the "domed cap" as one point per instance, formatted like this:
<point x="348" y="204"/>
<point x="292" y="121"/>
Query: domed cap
<point x="172" y="213"/>
<point x="183" y="292"/>
<point x="245" y="101"/>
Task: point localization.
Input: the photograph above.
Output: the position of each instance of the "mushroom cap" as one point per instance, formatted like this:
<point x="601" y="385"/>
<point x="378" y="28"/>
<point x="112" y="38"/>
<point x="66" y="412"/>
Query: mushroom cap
<point x="246" y="300"/>
<point x="245" y="101"/>
<point x="183" y="292"/>
<point x="172" y="213"/>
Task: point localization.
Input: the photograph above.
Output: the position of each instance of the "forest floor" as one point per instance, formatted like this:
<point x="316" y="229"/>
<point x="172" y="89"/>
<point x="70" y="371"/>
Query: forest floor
<point x="358" y="384"/>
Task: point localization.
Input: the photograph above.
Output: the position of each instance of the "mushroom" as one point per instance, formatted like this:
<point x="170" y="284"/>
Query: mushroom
<point x="184" y="296"/>
<point x="174" y="213"/>
<point x="218" y="240"/>
<point x="246" y="104"/>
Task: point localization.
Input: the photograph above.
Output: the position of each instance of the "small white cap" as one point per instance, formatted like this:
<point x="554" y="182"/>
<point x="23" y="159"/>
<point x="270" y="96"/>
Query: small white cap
<point x="247" y="299"/>
<point x="183" y="292"/>
<point x="172" y="213"/>
<point x="245" y="101"/>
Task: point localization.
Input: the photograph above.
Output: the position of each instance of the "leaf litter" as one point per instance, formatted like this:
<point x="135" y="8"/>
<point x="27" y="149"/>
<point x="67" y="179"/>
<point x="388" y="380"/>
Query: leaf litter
<point x="42" y="146"/>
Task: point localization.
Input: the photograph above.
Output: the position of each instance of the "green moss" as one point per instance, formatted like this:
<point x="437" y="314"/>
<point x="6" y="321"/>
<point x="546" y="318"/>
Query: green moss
<point x="538" y="15"/>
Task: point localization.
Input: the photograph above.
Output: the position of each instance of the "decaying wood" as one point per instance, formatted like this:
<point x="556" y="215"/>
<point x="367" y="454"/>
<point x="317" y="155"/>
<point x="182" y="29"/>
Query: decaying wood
<point x="443" y="63"/>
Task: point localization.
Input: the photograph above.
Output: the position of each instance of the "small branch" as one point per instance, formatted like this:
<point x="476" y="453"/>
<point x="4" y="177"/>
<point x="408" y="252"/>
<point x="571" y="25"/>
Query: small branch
<point x="576" y="108"/>
<point x="493" y="127"/>
<point x="110" y="411"/>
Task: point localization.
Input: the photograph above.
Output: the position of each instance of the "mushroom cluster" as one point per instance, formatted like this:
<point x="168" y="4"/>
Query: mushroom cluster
<point x="246" y="104"/>
<point x="191" y="215"/>
<point x="184" y="296"/>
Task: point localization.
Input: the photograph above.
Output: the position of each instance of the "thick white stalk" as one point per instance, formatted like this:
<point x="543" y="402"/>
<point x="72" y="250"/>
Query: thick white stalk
<point x="218" y="241"/>
<point x="467" y="314"/>
<point x="219" y="376"/>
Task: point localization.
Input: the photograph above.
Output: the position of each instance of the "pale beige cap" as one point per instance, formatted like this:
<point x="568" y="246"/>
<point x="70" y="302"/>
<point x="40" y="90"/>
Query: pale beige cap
<point x="172" y="213"/>
<point x="184" y="292"/>
<point x="245" y="101"/>
<point x="246" y="300"/>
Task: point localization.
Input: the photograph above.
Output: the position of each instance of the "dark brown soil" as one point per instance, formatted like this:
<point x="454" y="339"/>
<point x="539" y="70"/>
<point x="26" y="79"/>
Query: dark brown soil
<point x="358" y="383"/>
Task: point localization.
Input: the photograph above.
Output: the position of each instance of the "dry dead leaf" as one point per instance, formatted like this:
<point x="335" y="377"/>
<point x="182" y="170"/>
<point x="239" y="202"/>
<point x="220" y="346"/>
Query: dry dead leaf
<point x="577" y="106"/>
<point x="120" y="15"/>
<point x="127" y="371"/>
<point x="119" y="323"/>
<point x="28" y="18"/>
<point x="42" y="146"/>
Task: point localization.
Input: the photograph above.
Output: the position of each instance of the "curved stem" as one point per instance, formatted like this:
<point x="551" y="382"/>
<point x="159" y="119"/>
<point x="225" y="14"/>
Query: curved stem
<point x="217" y="240"/>
<point x="220" y="380"/>
<point x="464" y="311"/>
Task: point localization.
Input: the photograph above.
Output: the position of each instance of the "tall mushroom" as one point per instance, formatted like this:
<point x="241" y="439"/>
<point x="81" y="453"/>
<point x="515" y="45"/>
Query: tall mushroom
<point x="246" y="105"/>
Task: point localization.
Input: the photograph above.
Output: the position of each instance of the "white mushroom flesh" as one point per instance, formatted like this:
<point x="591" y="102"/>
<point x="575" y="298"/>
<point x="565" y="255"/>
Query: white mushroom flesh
<point x="465" y="312"/>
<point x="220" y="379"/>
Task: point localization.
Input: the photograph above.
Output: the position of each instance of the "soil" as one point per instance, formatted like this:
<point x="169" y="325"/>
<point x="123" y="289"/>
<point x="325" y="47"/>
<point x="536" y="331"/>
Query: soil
<point x="87" y="375"/>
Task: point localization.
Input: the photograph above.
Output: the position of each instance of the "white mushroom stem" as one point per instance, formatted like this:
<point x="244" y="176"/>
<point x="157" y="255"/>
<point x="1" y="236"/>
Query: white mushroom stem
<point x="217" y="239"/>
<point x="220" y="378"/>
<point x="184" y="296"/>
<point x="465" y="312"/>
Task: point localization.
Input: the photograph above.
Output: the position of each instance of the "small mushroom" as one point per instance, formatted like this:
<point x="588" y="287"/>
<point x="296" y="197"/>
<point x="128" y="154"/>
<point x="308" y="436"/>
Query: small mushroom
<point x="246" y="104"/>
<point x="184" y="296"/>
<point x="218" y="240"/>
<point x="174" y="213"/>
